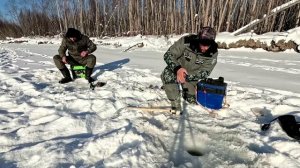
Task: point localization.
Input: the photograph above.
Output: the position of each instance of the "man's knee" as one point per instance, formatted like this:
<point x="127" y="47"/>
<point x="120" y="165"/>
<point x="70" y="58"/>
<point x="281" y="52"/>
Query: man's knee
<point x="58" y="62"/>
<point x="91" y="61"/>
<point x="189" y="92"/>
<point x="56" y="57"/>
<point x="92" y="57"/>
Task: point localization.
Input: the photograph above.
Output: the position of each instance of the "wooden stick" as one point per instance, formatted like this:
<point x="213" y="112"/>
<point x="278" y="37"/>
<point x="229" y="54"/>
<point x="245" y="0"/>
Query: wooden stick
<point x="138" y="44"/>
<point x="152" y="109"/>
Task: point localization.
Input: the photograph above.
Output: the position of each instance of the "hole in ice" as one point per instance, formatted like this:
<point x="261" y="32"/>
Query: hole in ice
<point x="193" y="148"/>
<point x="195" y="152"/>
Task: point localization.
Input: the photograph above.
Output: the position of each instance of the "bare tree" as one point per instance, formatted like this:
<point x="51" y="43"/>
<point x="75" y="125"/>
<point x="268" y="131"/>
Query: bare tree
<point x="117" y="17"/>
<point x="223" y="11"/>
<point x="298" y="17"/>
<point x="59" y="16"/>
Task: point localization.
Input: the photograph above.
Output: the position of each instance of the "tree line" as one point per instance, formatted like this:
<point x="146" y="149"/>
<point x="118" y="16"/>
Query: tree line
<point x="100" y="18"/>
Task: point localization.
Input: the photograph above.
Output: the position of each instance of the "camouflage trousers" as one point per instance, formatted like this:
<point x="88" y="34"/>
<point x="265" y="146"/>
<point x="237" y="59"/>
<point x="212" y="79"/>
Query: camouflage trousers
<point x="171" y="87"/>
<point x="89" y="61"/>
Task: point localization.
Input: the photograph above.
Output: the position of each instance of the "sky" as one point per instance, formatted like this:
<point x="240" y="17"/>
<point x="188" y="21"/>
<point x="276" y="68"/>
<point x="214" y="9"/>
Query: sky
<point x="3" y="6"/>
<point x="3" y="9"/>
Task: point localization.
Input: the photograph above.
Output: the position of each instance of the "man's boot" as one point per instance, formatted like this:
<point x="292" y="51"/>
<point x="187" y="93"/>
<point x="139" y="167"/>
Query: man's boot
<point x="88" y="73"/>
<point x="66" y="76"/>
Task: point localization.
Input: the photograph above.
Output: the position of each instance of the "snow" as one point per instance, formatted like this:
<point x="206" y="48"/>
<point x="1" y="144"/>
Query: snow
<point x="284" y="5"/>
<point x="292" y="34"/>
<point x="46" y="124"/>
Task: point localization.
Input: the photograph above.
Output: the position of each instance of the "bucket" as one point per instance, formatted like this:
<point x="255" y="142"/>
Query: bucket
<point x="78" y="71"/>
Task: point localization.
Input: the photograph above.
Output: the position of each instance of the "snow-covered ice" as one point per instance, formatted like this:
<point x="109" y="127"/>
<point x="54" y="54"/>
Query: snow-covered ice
<point x="46" y="124"/>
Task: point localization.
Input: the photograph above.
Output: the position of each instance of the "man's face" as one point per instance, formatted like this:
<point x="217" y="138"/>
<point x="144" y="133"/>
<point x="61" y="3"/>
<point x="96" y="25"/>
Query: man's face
<point x="203" y="48"/>
<point x="73" y="39"/>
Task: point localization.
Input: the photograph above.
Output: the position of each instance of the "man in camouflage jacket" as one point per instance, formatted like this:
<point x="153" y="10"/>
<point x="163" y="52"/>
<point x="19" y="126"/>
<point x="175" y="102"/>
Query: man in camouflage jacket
<point x="191" y="58"/>
<point x="79" y="48"/>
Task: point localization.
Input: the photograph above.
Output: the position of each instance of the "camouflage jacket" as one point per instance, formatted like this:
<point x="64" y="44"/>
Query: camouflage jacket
<point x="75" y="48"/>
<point x="184" y="53"/>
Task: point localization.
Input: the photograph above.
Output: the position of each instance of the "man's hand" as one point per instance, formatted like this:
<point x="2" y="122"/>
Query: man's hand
<point x="84" y="53"/>
<point x="181" y="75"/>
<point x="64" y="60"/>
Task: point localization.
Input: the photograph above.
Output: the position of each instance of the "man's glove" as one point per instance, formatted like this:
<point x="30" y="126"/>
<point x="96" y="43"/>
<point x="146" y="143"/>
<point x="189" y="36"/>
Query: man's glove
<point x="64" y="60"/>
<point x="84" y="53"/>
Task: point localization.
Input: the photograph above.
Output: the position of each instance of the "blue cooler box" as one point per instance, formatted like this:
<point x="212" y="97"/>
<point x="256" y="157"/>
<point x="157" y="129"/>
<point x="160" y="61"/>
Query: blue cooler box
<point x="211" y="92"/>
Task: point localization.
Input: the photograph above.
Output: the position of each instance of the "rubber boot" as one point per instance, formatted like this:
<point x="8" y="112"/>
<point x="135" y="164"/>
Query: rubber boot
<point x="66" y="76"/>
<point x="88" y="73"/>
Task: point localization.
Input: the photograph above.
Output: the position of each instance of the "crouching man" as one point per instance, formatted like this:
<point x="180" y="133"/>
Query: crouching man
<point x="190" y="59"/>
<point x="79" y="49"/>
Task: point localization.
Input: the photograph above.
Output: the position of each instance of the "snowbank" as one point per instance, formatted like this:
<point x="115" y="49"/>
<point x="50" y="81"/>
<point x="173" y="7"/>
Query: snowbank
<point x="224" y="39"/>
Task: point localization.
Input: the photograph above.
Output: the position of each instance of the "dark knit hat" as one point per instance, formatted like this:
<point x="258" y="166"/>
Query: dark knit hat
<point x="207" y="33"/>
<point x="73" y="33"/>
<point x="289" y="125"/>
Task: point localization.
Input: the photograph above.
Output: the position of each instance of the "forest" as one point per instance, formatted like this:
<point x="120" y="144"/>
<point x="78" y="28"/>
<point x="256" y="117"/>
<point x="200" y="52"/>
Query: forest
<point x="100" y="18"/>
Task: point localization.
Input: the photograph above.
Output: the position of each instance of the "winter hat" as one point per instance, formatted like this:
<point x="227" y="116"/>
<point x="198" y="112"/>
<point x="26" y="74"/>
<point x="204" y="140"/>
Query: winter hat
<point x="289" y="125"/>
<point x="207" y="33"/>
<point x="73" y="33"/>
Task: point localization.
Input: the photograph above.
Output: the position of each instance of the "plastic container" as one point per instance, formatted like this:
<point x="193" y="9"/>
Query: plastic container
<point x="211" y="93"/>
<point x="78" y="71"/>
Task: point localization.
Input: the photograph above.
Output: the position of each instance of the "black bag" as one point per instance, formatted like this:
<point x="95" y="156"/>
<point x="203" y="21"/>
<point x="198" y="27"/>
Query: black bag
<point x="289" y="125"/>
